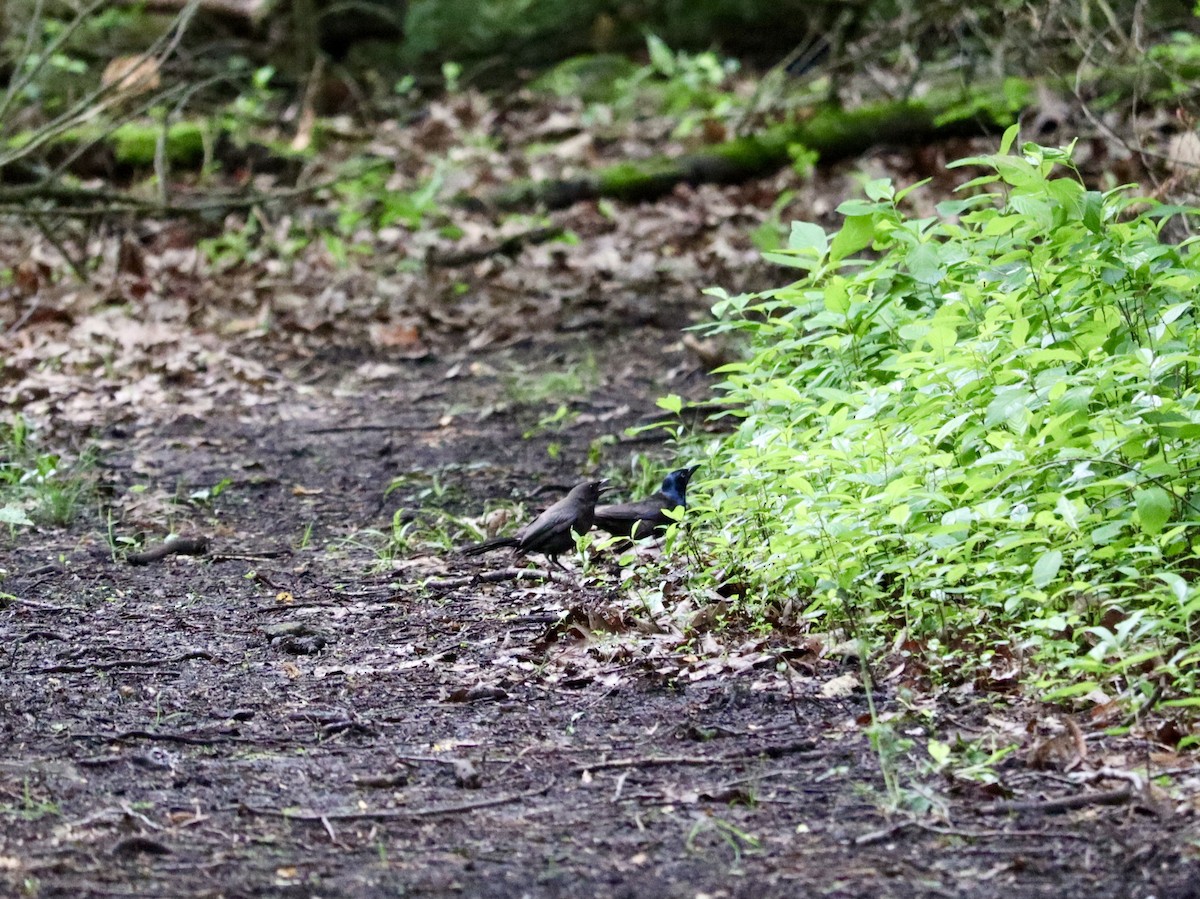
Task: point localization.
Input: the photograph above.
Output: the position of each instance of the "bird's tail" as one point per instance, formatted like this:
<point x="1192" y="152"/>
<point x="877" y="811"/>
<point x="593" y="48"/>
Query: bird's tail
<point x="487" y="546"/>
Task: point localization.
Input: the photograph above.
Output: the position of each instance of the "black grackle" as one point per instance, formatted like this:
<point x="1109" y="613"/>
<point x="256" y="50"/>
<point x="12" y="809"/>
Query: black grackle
<point x="647" y="516"/>
<point x="553" y="532"/>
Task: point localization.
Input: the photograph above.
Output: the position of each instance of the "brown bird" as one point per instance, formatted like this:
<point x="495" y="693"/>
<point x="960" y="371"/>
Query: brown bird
<point x="553" y="532"/>
<point x="647" y="516"/>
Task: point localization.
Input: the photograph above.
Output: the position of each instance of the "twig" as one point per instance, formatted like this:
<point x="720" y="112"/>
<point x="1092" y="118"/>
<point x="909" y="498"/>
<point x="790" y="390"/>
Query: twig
<point x="396" y="814"/>
<point x="493" y="577"/>
<point x="50" y="234"/>
<point x="127" y="663"/>
<point x="252" y="557"/>
<point x="661" y="761"/>
<point x="347" y="429"/>
<point x="508" y="246"/>
<point x="871" y="837"/>
<point x="34" y="305"/>
<point x="7" y="598"/>
<point x="14" y="201"/>
<point x="792" y="692"/>
<point x="878" y="836"/>
<point x="1119" y="796"/>
<point x="329" y="830"/>
<point x="186" y="739"/>
<point x="1175" y="772"/>
<point x="616" y="796"/>
<point x="666" y="760"/>
<point x="1002" y="834"/>
<point x="1136" y="781"/>
<point x="42" y="635"/>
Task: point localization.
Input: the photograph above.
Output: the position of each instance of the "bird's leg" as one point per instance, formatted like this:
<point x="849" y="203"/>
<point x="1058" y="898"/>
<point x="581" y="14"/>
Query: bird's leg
<point x="564" y="569"/>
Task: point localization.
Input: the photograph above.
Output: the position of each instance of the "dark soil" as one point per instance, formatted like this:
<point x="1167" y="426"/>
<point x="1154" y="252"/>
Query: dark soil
<point x="282" y="718"/>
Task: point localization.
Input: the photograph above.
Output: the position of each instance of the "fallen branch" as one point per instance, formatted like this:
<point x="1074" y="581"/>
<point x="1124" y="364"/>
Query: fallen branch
<point x="42" y="635"/>
<point x="830" y="132"/>
<point x="395" y="814"/>
<point x="793" y="749"/>
<point x="187" y="739"/>
<point x="1119" y="796"/>
<point x="494" y="577"/>
<point x="259" y="556"/>
<point x="374" y="426"/>
<point x="87" y="203"/>
<point x="8" y="598"/>
<point x="878" y="836"/>
<point x="126" y="663"/>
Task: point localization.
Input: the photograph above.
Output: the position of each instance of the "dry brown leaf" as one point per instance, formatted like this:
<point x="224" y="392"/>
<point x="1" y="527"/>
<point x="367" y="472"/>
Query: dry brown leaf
<point x="841" y="686"/>
<point x="402" y="336"/>
<point x="131" y="76"/>
<point x="1062" y="749"/>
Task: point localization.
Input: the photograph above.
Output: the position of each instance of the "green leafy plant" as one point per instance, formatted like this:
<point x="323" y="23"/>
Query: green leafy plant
<point x="690" y="86"/>
<point x="736" y="840"/>
<point x="35" y="486"/>
<point x="32" y="807"/>
<point x="367" y="200"/>
<point x="982" y="432"/>
<point x="528" y="388"/>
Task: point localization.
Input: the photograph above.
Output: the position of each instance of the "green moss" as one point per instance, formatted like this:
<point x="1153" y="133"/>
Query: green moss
<point x="632" y="181"/>
<point x="134" y="144"/>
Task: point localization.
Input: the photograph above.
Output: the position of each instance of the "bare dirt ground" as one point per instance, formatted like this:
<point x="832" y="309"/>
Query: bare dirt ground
<point x="302" y="712"/>
<point x="272" y="721"/>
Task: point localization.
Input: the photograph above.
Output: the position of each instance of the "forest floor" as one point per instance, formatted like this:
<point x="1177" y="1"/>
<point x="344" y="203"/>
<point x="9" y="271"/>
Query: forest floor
<point x="330" y="702"/>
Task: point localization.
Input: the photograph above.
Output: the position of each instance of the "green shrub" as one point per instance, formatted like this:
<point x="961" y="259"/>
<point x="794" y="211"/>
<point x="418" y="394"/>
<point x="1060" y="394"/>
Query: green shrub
<point x="980" y="439"/>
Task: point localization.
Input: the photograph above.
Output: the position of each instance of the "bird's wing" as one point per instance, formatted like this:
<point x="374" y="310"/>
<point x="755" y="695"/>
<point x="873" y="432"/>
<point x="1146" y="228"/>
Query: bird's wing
<point x="626" y="511"/>
<point x="644" y="515"/>
<point x="554" y="521"/>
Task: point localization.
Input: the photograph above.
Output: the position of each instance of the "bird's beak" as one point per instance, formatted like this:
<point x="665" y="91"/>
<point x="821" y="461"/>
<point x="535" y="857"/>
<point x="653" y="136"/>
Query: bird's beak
<point x="605" y="486"/>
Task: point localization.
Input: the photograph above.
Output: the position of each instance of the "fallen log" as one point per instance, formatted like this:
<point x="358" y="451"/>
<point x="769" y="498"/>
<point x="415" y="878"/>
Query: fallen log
<point x="829" y="132"/>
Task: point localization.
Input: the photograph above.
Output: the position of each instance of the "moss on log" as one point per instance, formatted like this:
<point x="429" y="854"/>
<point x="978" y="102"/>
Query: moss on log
<point x="832" y="133"/>
<point x="134" y="144"/>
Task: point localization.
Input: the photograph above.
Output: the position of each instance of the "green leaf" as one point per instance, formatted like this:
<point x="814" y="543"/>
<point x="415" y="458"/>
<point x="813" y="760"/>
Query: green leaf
<point x="1154" y="507"/>
<point x="661" y="56"/>
<point x="941" y="338"/>
<point x="1010" y="135"/>
<point x="672" y="403"/>
<point x="905" y="191"/>
<point x="1179" y="587"/>
<point x="837" y="299"/>
<point x="857" y="233"/>
<point x="1093" y="212"/>
<point x="856" y="207"/>
<point x="790" y="260"/>
<point x="1045" y="569"/>
<point x="924" y="264"/>
<point x="808" y="236"/>
<point x="879" y="189"/>
<point x="938" y="751"/>
<point x="14" y="516"/>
